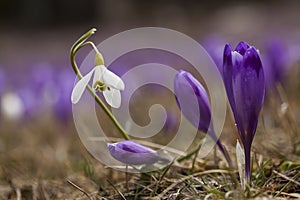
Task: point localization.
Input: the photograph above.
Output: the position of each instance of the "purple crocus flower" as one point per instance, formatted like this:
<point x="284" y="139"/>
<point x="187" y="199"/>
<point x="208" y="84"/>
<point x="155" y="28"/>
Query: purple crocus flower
<point x="133" y="153"/>
<point x="198" y="112"/>
<point x="245" y="86"/>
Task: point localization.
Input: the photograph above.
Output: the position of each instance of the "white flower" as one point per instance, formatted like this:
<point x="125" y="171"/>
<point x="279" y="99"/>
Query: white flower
<point x="104" y="80"/>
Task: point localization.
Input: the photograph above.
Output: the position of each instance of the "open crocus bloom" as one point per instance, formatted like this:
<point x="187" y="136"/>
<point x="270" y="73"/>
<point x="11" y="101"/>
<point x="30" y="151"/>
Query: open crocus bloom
<point x="133" y="153"/>
<point x="104" y="80"/>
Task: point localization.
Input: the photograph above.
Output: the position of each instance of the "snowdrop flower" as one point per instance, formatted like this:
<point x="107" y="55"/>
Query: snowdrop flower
<point x="105" y="81"/>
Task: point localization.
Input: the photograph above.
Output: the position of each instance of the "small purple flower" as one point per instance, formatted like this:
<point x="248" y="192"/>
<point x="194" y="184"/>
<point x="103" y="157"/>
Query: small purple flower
<point x="133" y="153"/>
<point x="245" y="86"/>
<point x="193" y="102"/>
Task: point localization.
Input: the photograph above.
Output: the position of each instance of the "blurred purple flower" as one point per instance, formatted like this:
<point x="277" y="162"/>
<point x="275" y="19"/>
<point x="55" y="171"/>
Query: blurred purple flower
<point x="62" y="107"/>
<point x="133" y="153"/>
<point x="30" y="101"/>
<point x="245" y="86"/>
<point x="44" y="90"/>
<point x="214" y="45"/>
<point x="2" y="81"/>
<point x="24" y="101"/>
<point x="45" y="84"/>
<point x="275" y="61"/>
<point x="41" y="75"/>
<point x="186" y="87"/>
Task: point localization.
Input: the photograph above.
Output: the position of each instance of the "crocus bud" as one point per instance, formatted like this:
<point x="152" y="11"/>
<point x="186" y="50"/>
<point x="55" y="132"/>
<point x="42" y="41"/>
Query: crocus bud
<point x="133" y="153"/>
<point x="186" y="87"/>
<point x="245" y="86"/>
<point x="193" y="102"/>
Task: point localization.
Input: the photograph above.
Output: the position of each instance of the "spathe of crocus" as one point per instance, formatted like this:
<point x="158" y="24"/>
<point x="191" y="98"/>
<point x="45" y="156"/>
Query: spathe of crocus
<point x="198" y="111"/>
<point x="133" y="153"/>
<point x="245" y="86"/>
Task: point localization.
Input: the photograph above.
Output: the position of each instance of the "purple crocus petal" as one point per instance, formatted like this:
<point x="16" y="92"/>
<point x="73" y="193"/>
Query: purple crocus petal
<point x="242" y="47"/>
<point x="133" y="153"/>
<point x="193" y="102"/>
<point x="248" y="90"/>
<point x="227" y="75"/>
<point x="186" y="87"/>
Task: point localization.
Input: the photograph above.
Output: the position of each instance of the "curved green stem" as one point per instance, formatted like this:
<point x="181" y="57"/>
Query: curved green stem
<point x="92" y="44"/>
<point x="77" y="45"/>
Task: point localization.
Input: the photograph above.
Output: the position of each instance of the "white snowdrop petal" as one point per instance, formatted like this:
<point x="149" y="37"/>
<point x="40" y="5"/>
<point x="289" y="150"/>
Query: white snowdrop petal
<point x="80" y="87"/>
<point x="98" y="76"/>
<point x="112" y="97"/>
<point x="113" y="80"/>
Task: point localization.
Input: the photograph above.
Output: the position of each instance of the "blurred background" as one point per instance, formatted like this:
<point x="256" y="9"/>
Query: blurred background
<point x="37" y="135"/>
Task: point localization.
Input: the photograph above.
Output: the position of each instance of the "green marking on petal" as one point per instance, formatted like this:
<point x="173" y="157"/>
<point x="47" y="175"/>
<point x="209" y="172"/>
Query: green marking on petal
<point x="98" y="85"/>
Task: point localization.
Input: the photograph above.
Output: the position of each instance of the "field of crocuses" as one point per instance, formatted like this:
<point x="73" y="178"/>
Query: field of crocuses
<point x="79" y="122"/>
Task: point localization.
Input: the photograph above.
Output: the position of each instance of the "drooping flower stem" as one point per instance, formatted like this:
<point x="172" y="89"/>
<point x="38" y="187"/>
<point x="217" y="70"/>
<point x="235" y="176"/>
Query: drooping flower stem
<point x="77" y="45"/>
